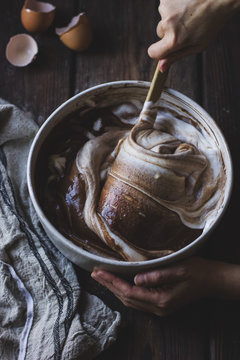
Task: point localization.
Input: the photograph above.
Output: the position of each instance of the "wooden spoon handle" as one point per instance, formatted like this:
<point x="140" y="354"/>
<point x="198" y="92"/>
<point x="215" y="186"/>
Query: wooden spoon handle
<point x="157" y="85"/>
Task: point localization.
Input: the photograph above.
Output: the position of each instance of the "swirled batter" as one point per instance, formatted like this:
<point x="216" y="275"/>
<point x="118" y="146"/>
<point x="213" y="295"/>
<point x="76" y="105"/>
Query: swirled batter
<point x="132" y="194"/>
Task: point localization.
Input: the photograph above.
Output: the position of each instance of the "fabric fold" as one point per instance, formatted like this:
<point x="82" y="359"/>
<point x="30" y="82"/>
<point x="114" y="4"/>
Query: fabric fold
<point x="65" y="322"/>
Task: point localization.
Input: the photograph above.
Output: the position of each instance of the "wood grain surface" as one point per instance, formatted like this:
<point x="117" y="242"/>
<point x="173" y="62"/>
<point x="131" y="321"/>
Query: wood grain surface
<point x="205" y="330"/>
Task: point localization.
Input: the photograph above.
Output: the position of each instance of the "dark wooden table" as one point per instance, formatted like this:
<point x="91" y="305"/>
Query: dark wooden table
<point x="208" y="329"/>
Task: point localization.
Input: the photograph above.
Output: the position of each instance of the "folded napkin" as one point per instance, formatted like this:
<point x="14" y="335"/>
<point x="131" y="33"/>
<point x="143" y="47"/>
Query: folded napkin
<point x="44" y="313"/>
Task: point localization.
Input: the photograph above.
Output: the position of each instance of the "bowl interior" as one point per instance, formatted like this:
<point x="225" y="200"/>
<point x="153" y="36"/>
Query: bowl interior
<point x="112" y="94"/>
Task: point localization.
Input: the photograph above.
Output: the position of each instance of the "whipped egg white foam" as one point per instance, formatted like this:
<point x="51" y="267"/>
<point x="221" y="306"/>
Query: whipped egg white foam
<point x="171" y="159"/>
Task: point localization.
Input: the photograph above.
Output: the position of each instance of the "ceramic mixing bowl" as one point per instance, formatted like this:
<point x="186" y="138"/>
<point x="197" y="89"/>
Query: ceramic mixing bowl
<point x="110" y="94"/>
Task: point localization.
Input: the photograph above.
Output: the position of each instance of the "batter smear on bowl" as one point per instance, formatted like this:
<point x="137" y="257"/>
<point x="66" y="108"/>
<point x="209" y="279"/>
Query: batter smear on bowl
<point x="132" y="195"/>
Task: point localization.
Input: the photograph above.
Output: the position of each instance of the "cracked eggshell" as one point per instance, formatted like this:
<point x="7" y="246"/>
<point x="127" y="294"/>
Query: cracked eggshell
<point x="21" y="50"/>
<point x="77" y="35"/>
<point x="37" y="16"/>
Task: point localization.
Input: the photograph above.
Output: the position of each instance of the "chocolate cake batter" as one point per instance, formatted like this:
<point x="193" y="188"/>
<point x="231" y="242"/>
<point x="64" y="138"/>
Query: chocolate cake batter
<point x="97" y="203"/>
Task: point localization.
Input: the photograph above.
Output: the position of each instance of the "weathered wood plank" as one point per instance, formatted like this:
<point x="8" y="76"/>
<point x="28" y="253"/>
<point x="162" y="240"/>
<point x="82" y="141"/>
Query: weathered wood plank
<point x="122" y="33"/>
<point x="44" y="84"/>
<point x="123" y="30"/>
<point x="185" y="76"/>
<point x="221" y="100"/>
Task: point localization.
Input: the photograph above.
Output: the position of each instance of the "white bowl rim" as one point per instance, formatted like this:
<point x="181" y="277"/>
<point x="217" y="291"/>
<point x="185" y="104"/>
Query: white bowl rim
<point x="98" y="258"/>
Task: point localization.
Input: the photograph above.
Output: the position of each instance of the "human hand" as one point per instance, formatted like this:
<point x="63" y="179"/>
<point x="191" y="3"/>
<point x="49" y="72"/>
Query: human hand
<point x="188" y="26"/>
<point x="164" y="290"/>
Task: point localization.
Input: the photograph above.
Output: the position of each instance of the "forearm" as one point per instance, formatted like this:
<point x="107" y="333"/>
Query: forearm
<point x="232" y="5"/>
<point x="221" y="9"/>
<point x="224" y="281"/>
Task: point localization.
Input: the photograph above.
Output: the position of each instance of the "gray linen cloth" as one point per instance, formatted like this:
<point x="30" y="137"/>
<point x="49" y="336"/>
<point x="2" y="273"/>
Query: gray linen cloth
<point x="44" y="314"/>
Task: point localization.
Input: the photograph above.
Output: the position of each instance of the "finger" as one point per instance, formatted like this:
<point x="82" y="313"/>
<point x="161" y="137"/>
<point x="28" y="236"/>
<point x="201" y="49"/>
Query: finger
<point x="118" y="286"/>
<point x="174" y="298"/>
<point x="160" y="309"/>
<point x="150" y="300"/>
<point x="108" y="280"/>
<point x="123" y="289"/>
<point x="164" y="64"/>
<point x="164" y="276"/>
<point x="182" y="53"/>
<point x="145" y="307"/>
<point x="163" y="9"/>
<point x="170" y="50"/>
<point x="140" y="305"/>
<point x="161" y="49"/>
<point x="160" y="30"/>
<point x="171" y="58"/>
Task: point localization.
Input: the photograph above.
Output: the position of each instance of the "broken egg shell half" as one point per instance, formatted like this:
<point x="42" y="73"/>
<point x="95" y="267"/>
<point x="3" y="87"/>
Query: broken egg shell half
<point x="37" y="16"/>
<point x="21" y="50"/>
<point x="78" y="34"/>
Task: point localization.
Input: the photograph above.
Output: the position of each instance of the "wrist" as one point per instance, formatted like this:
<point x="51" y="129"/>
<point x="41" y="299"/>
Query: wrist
<point x="229" y="6"/>
<point x="224" y="280"/>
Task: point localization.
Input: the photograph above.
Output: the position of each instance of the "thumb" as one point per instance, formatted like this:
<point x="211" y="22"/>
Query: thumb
<point x="158" y="277"/>
<point x="161" y="48"/>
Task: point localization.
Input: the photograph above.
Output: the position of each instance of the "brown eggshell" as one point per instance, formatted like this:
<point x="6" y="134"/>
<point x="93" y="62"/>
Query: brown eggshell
<point x="78" y="34"/>
<point x="37" y="16"/>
